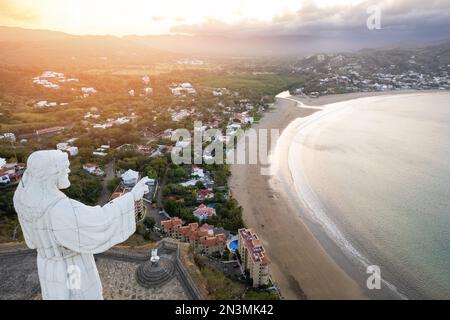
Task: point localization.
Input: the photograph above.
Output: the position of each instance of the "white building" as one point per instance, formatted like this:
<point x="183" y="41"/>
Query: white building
<point x="218" y="92"/>
<point x="67" y="147"/>
<point x="180" y="115"/>
<point x="4" y="179"/>
<point x="91" y="115"/>
<point x="52" y="74"/>
<point x="198" y="172"/>
<point x="46" y="83"/>
<point x="94" y="169"/>
<point x="88" y="91"/>
<point x="244" y="118"/>
<point x="183" y="88"/>
<point x="234" y="126"/>
<point x="99" y="154"/>
<point x="130" y="178"/>
<point x="167" y="134"/>
<point x="254" y="257"/>
<point x="102" y="126"/>
<point x="8" y="136"/>
<point x="194" y="62"/>
<point x="146" y="79"/>
<point x="121" y="121"/>
<point x="42" y="104"/>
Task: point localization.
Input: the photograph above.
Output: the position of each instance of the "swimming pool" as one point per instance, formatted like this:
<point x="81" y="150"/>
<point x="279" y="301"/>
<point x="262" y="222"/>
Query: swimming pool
<point x="233" y="245"/>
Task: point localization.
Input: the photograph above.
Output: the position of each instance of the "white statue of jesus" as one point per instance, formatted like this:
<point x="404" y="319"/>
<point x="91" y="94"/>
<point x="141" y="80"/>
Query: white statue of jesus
<point x="67" y="233"/>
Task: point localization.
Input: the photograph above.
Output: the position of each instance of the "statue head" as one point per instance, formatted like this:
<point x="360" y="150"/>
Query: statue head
<point x="50" y="166"/>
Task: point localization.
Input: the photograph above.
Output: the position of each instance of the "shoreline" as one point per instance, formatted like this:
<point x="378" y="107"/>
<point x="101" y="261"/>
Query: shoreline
<point x="303" y="263"/>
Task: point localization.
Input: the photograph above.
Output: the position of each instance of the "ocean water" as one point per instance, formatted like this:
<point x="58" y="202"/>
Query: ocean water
<point x="374" y="173"/>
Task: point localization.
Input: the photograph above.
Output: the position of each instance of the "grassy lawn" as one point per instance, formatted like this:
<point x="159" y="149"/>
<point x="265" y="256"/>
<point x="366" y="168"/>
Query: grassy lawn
<point x="267" y="83"/>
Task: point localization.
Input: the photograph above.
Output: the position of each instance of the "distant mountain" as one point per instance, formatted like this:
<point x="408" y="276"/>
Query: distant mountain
<point x="10" y="34"/>
<point x="430" y="57"/>
<point x="281" y="45"/>
<point x="433" y="58"/>
<point x="48" y="48"/>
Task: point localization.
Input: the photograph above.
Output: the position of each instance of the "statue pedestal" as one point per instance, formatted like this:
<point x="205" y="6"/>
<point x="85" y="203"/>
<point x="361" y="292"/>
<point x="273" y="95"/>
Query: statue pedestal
<point x="155" y="274"/>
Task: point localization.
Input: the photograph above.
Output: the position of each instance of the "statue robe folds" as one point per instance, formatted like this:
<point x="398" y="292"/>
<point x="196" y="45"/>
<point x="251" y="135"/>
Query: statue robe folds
<point x="67" y="235"/>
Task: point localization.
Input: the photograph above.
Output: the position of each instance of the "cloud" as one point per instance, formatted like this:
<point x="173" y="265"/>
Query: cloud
<point x="158" y="18"/>
<point x="11" y="10"/>
<point x="396" y="17"/>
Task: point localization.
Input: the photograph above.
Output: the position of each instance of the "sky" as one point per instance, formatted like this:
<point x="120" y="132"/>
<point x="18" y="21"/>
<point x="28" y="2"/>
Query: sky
<point x="261" y="17"/>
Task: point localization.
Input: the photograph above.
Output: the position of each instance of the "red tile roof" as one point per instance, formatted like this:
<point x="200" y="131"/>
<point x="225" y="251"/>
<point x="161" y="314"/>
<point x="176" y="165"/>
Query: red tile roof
<point x="195" y="233"/>
<point x="171" y="223"/>
<point x="204" y="193"/>
<point x="213" y="241"/>
<point x="254" y="246"/>
<point x="204" y="210"/>
<point x="119" y="192"/>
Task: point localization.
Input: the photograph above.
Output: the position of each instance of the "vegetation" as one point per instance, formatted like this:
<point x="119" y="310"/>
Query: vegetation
<point x="149" y="222"/>
<point x="8" y="217"/>
<point x="259" y="295"/>
<point x="218" y="285"/>
<point x="84" y="187"/>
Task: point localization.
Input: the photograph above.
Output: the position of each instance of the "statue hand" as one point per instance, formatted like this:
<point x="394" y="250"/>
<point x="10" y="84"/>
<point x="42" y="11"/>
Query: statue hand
<point x="140" y="189"/>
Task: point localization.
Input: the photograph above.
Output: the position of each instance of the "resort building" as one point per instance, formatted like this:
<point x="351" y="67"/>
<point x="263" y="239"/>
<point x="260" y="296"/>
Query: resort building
<point x="254" y="257"/>
<point x="203" y="213"/>
<point x="129" y="180"/>
<point x="170" y="227"/>
<point x="203" y="239"/>
<point x="139" y="208"/>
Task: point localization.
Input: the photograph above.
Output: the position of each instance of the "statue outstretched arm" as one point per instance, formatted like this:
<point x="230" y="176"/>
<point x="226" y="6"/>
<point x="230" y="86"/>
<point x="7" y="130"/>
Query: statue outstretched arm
<point x="93" y="230"/>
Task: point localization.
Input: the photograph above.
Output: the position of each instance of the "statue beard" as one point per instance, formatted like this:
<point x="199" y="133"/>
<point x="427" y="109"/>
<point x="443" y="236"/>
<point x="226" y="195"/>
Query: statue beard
<point x="63" y="183"/>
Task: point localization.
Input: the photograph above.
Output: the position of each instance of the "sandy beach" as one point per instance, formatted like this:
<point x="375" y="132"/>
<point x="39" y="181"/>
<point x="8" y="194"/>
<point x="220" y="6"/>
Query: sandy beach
<point x="300" y="265"/>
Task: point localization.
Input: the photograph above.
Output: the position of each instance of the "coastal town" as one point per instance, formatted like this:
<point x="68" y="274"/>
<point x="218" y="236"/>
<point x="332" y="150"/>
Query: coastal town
<point x="111" y="149"/>
<point x="118" y="129"/>
<point x="365" y="72"/>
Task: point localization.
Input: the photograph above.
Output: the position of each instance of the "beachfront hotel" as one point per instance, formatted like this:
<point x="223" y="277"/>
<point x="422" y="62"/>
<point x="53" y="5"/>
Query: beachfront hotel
<point x="203" y="239"/>
<point x="253" y="257"/>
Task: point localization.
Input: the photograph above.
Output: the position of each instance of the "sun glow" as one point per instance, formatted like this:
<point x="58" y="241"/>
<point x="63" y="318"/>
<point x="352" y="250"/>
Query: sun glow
<point x="145" y="16"/>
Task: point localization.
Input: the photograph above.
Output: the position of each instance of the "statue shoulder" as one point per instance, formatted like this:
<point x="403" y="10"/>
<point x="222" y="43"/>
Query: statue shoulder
<point x="60" y="204"/>
<point x="67" y="206"/>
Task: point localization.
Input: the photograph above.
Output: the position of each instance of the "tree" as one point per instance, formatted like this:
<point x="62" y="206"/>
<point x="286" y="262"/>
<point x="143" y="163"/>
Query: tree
<point x="84" y="188"/>
<point x="263" y="295"/>
<point x="149" y="222"/>
<point x="113" y="183"/>
<point x="176" y="209"/>
<point x="199" y="185"/>
<point x="152" y="174"/>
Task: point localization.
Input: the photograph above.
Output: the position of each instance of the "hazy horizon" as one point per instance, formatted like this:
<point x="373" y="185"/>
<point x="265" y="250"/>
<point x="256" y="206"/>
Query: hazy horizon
<point x="314" y="18"/>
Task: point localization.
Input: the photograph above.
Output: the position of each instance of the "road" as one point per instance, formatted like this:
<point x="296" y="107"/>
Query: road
<point x="110" y="169"/>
